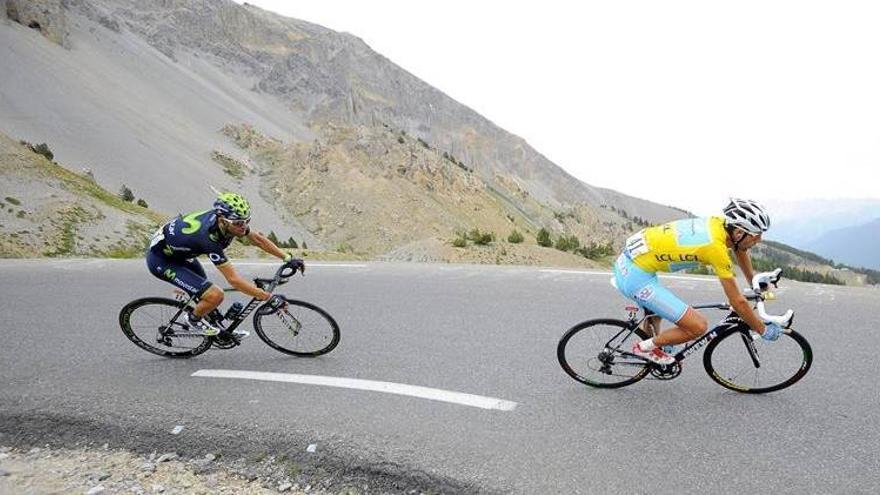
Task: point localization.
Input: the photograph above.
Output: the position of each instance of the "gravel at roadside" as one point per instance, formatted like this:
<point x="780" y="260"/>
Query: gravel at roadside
<point x="105" y="471"/>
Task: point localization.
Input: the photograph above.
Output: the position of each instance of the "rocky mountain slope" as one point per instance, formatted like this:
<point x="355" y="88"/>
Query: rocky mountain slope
<point x="45" y="209"/>
<point x="333" y="143"/>
<point x="149" y="85"/>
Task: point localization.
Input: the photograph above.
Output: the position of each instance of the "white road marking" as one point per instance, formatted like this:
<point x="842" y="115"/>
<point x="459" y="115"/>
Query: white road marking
<point x="609" y="274"/>
<point x="369" y="385"/>
<point x="574" y="272"/>
<point x="309" y="266"/>
<point x="691" y="279"/>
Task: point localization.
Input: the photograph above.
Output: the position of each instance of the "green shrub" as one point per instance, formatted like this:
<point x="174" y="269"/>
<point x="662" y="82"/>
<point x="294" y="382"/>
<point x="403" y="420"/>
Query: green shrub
<point x="480" y="238"/>
<point x="125" y="194"/>
<point x="12" y="200"/>
<point x="543" y="238"/>
<point x="596" y="251"/>
<point x="567" y="243"/>
<point x="515" y="237"/>
<point x="43" y="149"/>
<point x="460" y="240"/>
<point x="142" y="203"/>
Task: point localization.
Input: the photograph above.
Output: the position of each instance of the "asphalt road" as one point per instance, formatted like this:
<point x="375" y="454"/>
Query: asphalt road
<point x="68" y="373"/>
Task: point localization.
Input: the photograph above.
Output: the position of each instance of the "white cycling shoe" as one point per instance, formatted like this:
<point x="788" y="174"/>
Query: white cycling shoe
<point x="202" y="326"/>
<point x="655" y="355"/>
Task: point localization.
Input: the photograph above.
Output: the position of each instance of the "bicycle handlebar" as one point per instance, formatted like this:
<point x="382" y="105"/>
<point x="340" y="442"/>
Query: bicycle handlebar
<point x="760" y="283"/>
<point x="282" y="274"/>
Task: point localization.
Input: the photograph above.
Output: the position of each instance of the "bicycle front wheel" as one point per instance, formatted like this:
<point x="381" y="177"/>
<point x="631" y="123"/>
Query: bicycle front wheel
<point x="595" y="353"/>
<point x="148" y="323"/>
<point x="744" y="362"/>
<point x="300" y="329"/>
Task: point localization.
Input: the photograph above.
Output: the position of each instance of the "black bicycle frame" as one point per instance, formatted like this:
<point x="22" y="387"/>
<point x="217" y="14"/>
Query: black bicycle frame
<point x="244" y="313"/>
<point x="282" y="275"/>
<point x="731" y="321"/>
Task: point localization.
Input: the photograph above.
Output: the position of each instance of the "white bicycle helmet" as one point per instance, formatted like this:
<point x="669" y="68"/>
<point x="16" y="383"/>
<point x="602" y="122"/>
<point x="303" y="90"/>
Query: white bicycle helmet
<point x="746" y="215"/>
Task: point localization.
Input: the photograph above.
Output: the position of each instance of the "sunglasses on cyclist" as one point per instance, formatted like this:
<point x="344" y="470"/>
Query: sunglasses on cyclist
<point x="239" y="223"/>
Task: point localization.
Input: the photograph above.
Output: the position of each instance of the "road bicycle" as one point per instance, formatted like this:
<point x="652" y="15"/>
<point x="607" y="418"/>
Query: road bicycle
<point x="160" y="325"/>
<point x="596" y="352"/>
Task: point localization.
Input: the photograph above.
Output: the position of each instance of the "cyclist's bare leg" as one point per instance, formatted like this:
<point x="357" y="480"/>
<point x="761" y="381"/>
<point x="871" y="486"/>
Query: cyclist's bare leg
<point x="211" y="298"/>
<point x="691" y="326"/>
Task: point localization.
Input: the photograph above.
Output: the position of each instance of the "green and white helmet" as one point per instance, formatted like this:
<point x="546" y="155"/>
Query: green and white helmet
<point x="232" y="206"/>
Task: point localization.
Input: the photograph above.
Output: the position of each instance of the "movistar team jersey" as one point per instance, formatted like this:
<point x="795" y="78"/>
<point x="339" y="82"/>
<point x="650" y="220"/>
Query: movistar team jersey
<point x="189" y="236"/>
<point x="682" y="245"/>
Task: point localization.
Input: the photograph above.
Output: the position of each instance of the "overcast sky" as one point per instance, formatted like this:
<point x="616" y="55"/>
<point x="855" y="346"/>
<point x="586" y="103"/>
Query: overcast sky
<point x="683" y="103"/>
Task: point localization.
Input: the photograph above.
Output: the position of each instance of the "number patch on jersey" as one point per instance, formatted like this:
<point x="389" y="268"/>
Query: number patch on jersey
<point x="636" y="245"/>
<point x="158" y="236"/>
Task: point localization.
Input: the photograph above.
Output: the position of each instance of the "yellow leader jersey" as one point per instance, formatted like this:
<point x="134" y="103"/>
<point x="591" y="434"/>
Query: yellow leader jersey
<point x="682" y="245"/>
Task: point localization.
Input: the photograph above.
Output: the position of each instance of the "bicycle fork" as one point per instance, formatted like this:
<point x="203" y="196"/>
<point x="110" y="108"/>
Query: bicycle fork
<point x="749" y="342"/>
<point x="289" y="321"/>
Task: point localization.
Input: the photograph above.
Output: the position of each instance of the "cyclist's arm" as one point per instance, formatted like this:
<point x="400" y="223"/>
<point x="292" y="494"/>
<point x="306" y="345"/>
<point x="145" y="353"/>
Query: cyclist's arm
<point x="241" y="284"/>
<point x="265" y="244"/>
<point x="745" y="264"/>
<point x="741" y="305"/>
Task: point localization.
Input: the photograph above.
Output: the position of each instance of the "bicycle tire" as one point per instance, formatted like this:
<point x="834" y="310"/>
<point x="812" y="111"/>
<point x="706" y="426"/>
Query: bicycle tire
<point x="722" y="349"/>
<point x="316" y="319"/>
<point x="166" y="307"/>
<point x="600" y="363"/>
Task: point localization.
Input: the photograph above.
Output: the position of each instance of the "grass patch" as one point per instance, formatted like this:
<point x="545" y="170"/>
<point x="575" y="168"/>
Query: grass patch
<point x="11" y="200"/>
<point x="67" y="240"/>
<point x="82" y="185"/>
<point x="231" y="166"/>
<point x="134" y="244"/>
<point x="292" y="469"/>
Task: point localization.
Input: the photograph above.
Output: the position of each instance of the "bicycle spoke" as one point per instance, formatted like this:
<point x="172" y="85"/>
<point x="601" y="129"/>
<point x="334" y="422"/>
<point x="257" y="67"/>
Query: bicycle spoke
<point x="596" y="353"/>
<point x="147" y="323"/>
<point x="756" y="365"/>
<point x="301" y="329"/>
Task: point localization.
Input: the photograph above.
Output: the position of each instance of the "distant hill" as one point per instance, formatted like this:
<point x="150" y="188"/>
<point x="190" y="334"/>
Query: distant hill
<point x="800" y="223"/>
<point x="856" y="246"/>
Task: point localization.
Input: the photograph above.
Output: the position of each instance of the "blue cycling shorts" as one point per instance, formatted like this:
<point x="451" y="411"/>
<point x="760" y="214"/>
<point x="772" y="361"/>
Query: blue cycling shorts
<point x="186" y="274"/>
<point x="645" y="290"/>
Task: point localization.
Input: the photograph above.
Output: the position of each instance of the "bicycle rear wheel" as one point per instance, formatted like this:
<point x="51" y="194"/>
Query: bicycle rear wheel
<point x="744" y="362"/>
<point x="592" y="353"/>
<point x="300" y="329"/>
<point x="147" y="322"/>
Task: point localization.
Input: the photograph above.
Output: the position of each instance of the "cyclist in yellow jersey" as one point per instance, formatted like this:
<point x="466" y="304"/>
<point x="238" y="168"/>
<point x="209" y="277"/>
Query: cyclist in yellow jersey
<point x="686" y="244"/>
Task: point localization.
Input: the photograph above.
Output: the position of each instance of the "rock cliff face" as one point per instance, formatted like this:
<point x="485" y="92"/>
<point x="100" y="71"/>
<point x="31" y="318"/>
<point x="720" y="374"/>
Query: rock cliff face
<point x="47" y="16"/>
<point x="332" y="77"/>
<point x="358" y="153"/>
